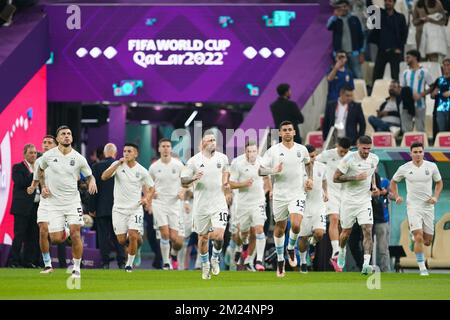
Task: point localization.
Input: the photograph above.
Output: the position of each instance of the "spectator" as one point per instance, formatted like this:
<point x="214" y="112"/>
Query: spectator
<point x="346" y="116"/>
<point x="339" y="76"/>
<point x="388" y="117"/>
<point x="390" y="39"/>
<point x="442" y="95"/>
<point x="429" y="17"/>
<point x="416" y="78"/>
<point x="347" y="35"/>
<point x="284" y="109"/>
<point x="24" y="208"/>
<point x="100" y="207"/>
<point x="381" y="223"/>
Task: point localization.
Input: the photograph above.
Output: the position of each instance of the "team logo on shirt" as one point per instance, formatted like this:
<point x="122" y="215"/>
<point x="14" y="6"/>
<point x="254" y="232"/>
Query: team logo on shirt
<point x="137" y="175"/>
<point x="174" y="171"/>
<point x="427" y="172"/>
<point x="202" y="165"/>
<point x="56" y="160"/>
<point x="219" y="165"/>
<point x="410" y="172"/>
<point x="72" y="162"/>
<point x="299" y="154"/>
<point x="372" y="165"/>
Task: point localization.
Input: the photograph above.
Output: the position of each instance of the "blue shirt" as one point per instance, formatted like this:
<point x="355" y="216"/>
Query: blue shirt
<point x="443" y="84"/>
<point x="341" y="79"/>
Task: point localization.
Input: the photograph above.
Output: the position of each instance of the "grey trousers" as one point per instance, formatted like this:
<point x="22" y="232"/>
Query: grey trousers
<point x="381" y="231"/>
<point x="419" y="120"/>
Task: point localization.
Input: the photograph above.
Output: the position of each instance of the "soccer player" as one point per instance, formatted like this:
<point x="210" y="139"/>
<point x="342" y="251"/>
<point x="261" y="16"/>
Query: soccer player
<point x="59" y="182"/>
<point x="251" y="207"/>
<point x="166" y="198"/>
<point x="419" y="175"/>
<point x="331" y="159"/>
<point x="209" y="172"/>
<point x="185" y="227"/>
<point x="49" y="142"/>
<point x="356" y="173"/>
<point x="287" y="162"/>
<point x="130" y="180"/>
<point x="313" y="223"/>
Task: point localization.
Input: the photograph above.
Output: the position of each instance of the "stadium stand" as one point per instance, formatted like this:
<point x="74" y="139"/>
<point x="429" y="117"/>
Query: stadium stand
<point x="383" y="140"/>
<point x="370" y="105"/>
<point x="442" y="140"/>
<point x="315" y="138"/>
<point x="360" y="90"/>
<point x="381" y="88"/>
<point x="410" y="137"/>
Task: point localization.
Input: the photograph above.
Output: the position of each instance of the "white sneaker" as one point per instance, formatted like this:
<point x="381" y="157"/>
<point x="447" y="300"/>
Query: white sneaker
<point x="215" y="267"/>
<point x="206" y="275"/>
<point x="424" y="272"/>
<point x="366" y="269"/>
<point x="47" y="270"/>
<point x="76" y="274"/>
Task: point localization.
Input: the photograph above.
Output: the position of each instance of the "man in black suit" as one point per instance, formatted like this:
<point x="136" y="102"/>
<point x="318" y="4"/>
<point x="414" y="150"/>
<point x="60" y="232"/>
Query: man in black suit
<point x="24" y="208"/>
<point x="346" y="116"/>
<point x="284" y="109"/>
<point x="100" y="207"/>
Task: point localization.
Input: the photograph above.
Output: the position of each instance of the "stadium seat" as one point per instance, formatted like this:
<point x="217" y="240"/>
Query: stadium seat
<point x="360" y="90"/>
<point x="381" y="88"/>
<point x="370" y="105"/>
<point x="315" y="138"/>
<point x="442" y="140"/>
<point x="383" y="140"/>
<point x="405" y="241"/>
<point x="367" y="70"/>
<point x="410" y="137"/>
<point x="440" y="253"/>
<point x="321" y="121"/>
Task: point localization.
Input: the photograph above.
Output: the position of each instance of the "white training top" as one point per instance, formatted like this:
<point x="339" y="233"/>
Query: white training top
<point x="288" y="184"/>
<point x="208" y="193"/>
<point x="416" y="80"/>
<point x="242" y="170"/>
<point x="167" y="179"/>
<point x="128" y="183"/>
<point x="358" y="192"/>
<point x="62" y="173"/>
<point x="419" y="181"/>
<point x="331" y="159"/>
<point x="314" y="197"/>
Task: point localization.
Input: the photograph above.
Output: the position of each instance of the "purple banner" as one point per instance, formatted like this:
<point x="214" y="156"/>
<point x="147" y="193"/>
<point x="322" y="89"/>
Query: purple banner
<point x="176" y="53"/>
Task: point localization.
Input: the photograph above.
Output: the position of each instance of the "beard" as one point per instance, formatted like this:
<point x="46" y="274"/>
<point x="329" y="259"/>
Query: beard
<point x="65" y="145"/>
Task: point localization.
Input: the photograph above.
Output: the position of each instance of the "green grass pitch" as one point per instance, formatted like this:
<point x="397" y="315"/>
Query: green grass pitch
<point x="188" y="285"/>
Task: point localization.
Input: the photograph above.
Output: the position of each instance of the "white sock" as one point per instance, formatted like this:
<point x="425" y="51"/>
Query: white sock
<point x="76" y="264"/>
<point x="173" y="252"/>
<point x="341" y="251"/>
<point x="335" y="245"/>
<point x="367" y="259"/>
<point x="279" y="245"/>
<point x="130" y="260"/>
<point x="303" y="257"/>
<point x="47" y="259"/>
<point x="260" y="246"/>
<point x="165" y="250"/>
<point x="292" y="240"/>
<point x="181" y="256"/>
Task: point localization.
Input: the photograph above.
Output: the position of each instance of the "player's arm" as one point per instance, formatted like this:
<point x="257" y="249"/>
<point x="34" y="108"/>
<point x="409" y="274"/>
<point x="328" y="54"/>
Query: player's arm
<point x="394" y="192"/>
<point x="108" y="173"/>
<point x="189" y="174"/>
<point x="45" y="192"/>
<point x="226" y="179"/>
<point x="92" y="184"/>
<point x="340" y="177"/>
<point x="437" y="192"/>
<point x="325" y="190"/>
<point x="265" y="171"/>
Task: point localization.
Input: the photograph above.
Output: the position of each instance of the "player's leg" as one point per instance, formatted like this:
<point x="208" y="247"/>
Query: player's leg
<point x="296" y="209"/>
<point x="134" y="226"/>
<point x="217" y="237"/>
<point x="251" y="251"/>
<point x="56" y="226"/>
<point x="201" y="225"/>
<point x="77" y="247"/>
<point x="280" y="215"/>
<point x="177" y="243"/>
<point x="181" y="254"/>
<point x="245" y="221"/>
<point x="164" y="244"/>
<point x="333" y="232"/>
<point x="259" y="219"/>
<point x="45" y="246"/>
<point x="368" y="247"/>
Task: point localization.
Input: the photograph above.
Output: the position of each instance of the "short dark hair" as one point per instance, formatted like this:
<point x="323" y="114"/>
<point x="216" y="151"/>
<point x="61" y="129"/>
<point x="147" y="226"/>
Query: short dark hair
<point x="49" y="136"/>
<point x="344" y="142"/>
<point x="164" y="140"/>
<point x="27" y="146"/>
<point x="395" y="81"/>
<point x="416" y="144"/>
<point x="286" y="123"/>
<point x="130" y="144"/>
<point x="282" y="89"/>
<point x="250" y="143"/>
<point x="414" y="53"/>
<point x="446" y="60"/>
<point x="63" y="127"/>
<point x="340" y="52"/>
<point x="365" y="140"/>
<point x="310" y="148"/>
<point x="346" y="87"/>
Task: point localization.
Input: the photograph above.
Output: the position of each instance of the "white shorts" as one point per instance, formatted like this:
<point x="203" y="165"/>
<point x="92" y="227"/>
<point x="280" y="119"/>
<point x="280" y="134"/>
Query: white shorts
<point x="311" y="223"/>
<point x="333" y="204"/>
<point x="251" y="216"/>
<point x="58" y="216"/>
<point x="421" y="218"/>
<point x="351" y="212"/>
<point x="203" y="223"/>
<point x="128" y="219"/>
<point x="42" y="214"/>
<point x="282" y="209"/>
<point x="167" y="214"/>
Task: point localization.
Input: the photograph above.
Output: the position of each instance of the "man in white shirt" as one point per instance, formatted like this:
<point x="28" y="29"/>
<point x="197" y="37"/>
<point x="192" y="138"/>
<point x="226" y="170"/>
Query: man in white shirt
<point x="287" y="162"/>
<point x="131" y="180"/>
<point x="356" y="173"/>
<point x="63" y="166"/>
<point x="209" y="172"/>
<point x="166" y="202"/>
<point x="49" y="142"/>
<point x="314" y="221"/>
<point x="251" y="202"/>
<point x="419" y="175"/>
